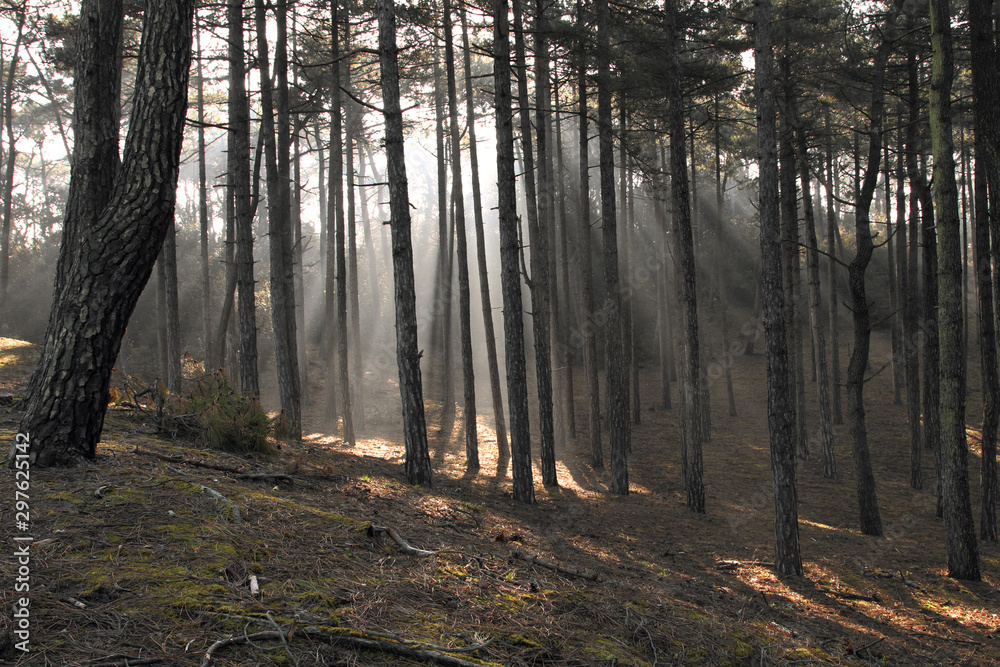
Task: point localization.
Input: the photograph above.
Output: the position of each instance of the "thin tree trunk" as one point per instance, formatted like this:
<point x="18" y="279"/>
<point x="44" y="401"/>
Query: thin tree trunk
<point x="781" y="427"/>
<point x="906" y="263"/>
<point x="206" y="276"/>
<point x="562" y="340"/>
<point x="353" y="291"/>
<point x="499" y="420"/>
<point x="870" y="518"/>
<point x="538" y="207"/>
<point x="417" y="459"/>
<point x="8" y="179"/>
<point x="817" y="315"/>
<point x="590" y="360"/>
<point x="895" y="345"/>
<point x="687" y="288"/>
<point x="619" y="426"/>
<point x="441" y="330"/>
<point x="274" y="118"/>
<point x="172" y="337"/>
<point x="464" y="297"/>
<point x="831" y="248"/>
<point x="343" y="355"/>
<point x="720" y="283"/>
<point x="517" y="383"/>
<point x="963" y="550"/>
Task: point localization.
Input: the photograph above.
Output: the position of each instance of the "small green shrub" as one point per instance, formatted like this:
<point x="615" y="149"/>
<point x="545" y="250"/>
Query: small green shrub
<point x="222" y="418"/>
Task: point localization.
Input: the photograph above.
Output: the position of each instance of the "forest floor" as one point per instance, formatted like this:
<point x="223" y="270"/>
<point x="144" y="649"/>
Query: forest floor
<point x="135" y="563"/>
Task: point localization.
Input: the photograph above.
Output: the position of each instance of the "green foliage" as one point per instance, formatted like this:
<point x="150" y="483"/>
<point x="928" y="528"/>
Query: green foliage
<point x="224" y="419"/>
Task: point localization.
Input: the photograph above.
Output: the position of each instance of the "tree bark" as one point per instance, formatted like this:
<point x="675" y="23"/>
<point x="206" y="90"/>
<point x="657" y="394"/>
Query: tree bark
<point x="464" y="297"/>
<point x="687" y="288"/>
<point x="906" y="264"/>
<point x="963" y="550"/>
<point x="986" y="96"/>
<point x="417" y="459"/>
<point x="788" y="559"/>
<point x="110" y="255"/>
<point x="832" y="225"/>
<point x="276" y="135"/>
<point x="870" y="518"/>
<point x="172" y="331"/>
<point x="8" y="180"/>
<point x="203" y="224"/>
<point x="588" y="326"/>
<point x="510" y="277"/>
<point x="499" y="420"/>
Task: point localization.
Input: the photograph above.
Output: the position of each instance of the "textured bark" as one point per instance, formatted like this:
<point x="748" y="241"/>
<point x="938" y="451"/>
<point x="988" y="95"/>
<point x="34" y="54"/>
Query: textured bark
<point x="906" y="265"/>
<point x="817" y="315"/>
<point x="352" y="292"/>
<point x="275" y="134"/>
<point x="538" y="194"/>
<point x="831" y="248"/>
<point x="417" y="459"/>
<point x="963" y="550"/>
<point x="723" y="305"/>
<point x="238" y="161"/>
<point x="110" y="252"/>
<point x="788" y="559"/>
<point x="441" y="329"/>
<point x="562" y="339"/>
<point x="510" y="277"/>
<point x="461" y="246"/>
<point x="687" y="289"/>
<point x="870" y="518"/>
<point x="790" y="257"/>
<point x="8" y="180"/>
<point x="206" y="274"/>
<point x="335" y="217"/>
<point x="499" y="420"/>
<point x="171" y="311"/>
<point x="619" y="426"/>
<point x="986" y="97"/>
<point x="589" y="341"/>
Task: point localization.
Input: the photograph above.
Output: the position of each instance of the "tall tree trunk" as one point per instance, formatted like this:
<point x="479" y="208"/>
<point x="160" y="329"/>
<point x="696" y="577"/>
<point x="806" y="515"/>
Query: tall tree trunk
<point x="562" y="328"/>
<point x="831" y="249"/>
<point x="441" y="331"/>
<point x="203" y="222"/>
<point x="8" y="179"/>
<point x="871" y="520"/>
<point x="817" y="314"/>
<point x="353" y="291"/>
<point x="906" y="264"/>
<point x="590" y="360"/>
<point x="417" y="459"/>
<point x="963" y="551"/>
<point x="335" y="216"/>
<point x="464" y="298"/>
<point x="895" y="344"/>
<point x="239" y="184"/>
<point x="538" y="207"/>
<point x="790" y="253"/>
<point x="625" y="242"/>
<point x="499" y="420"/>
<point x="301" y="339"/>
<point x="343" y="355"/>
<point x="723" y="305"/>
<point x="687" y="289"/>
<point x="510" y="276"/>
<point x="619" y="426"/>
<point x="788" y="559"/>
<point x="112" y="250"/>
<point x="274" y="119"/>
<point x="986" y="96"/>
<point x="663" y="311"/>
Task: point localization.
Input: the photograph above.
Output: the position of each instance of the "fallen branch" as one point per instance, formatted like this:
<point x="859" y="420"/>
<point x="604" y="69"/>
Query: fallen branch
<point x="218" y="496"/>
<point x="374" y="531"/>
<point x="851" y="596"/>
<point x="122" y="661"/>
<point x="196" y="464"/>
<point x="528" y="558"/>
<point x="353" y="639"/>
<point x="277" y="477"/>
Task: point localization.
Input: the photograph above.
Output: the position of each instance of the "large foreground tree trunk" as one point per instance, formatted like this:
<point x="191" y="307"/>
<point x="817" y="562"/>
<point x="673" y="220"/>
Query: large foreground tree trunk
<point x="510" y="277"/>
<point x="963" y="550"/>
<point x="417" y="459"/>
<point x="110" y="256"/>
<point x="788" y="559"/>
